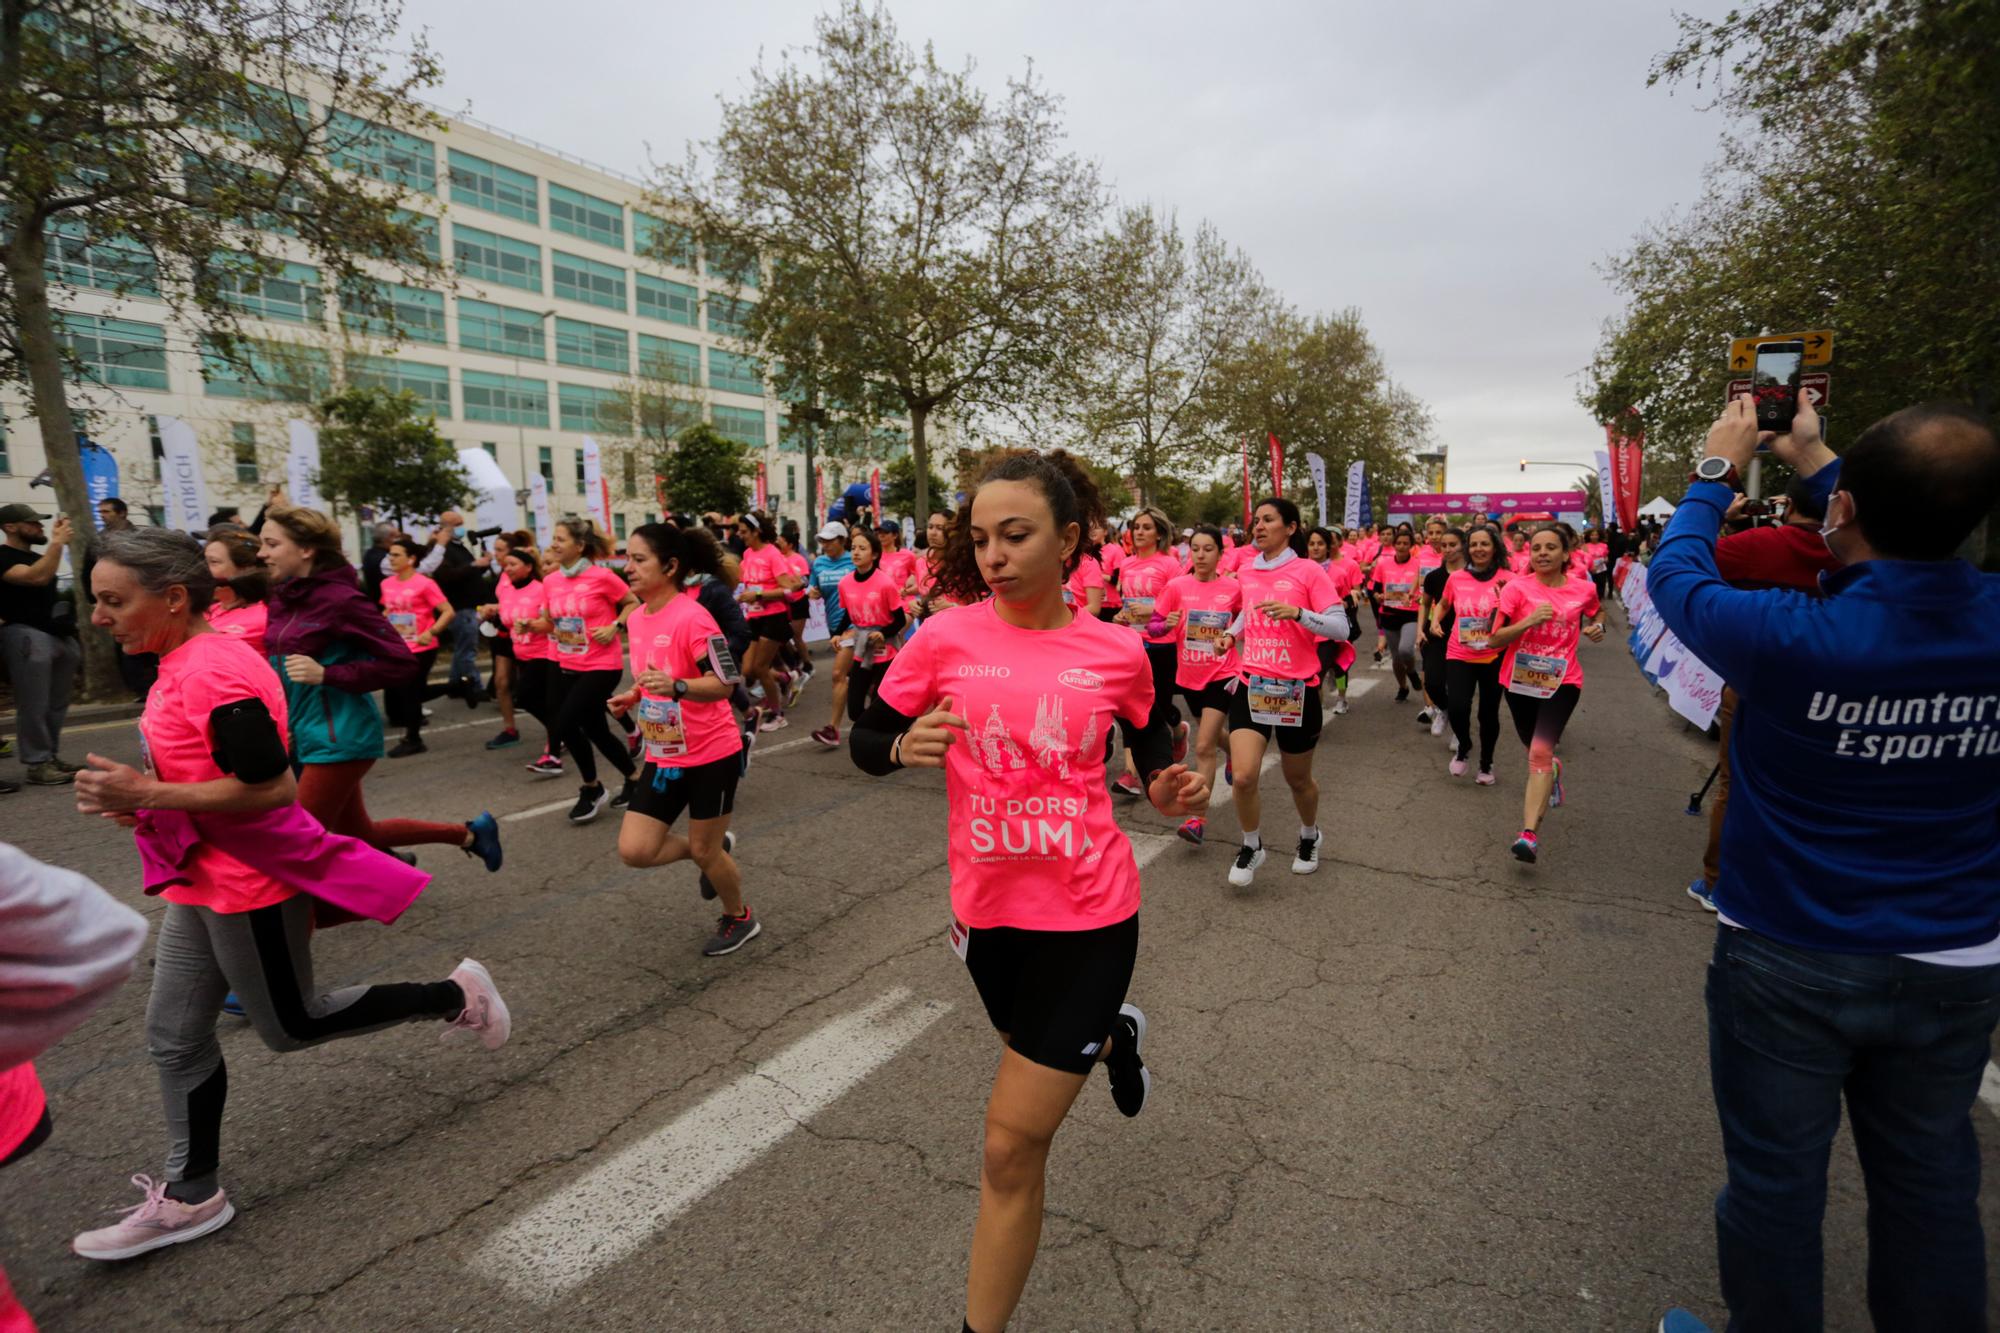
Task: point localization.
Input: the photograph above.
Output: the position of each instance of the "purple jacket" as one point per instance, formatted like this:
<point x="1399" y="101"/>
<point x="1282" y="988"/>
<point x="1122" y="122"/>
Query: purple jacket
<point x="348" y="878"/>
<point x="316" y="612"/>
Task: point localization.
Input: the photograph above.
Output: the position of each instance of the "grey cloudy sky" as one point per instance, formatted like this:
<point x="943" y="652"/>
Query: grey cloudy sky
<point x="1453" y="170"/>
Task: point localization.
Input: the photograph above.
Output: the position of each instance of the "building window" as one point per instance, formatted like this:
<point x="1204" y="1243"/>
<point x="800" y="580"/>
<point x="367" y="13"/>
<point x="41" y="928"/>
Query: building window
<point x="492" y="449"/>
<point x="618" y="526"/>
<point x="483" y="327"/>
<point x="741" y="424"/>
<point x="389" y="310"/>
<point x="662" y="242"/>
<point x="243" y="448"/>
<point x="586" y="215"/>
<point x="583" y="408"/>
<point x="665" y="359"/>
<point x="218" y="186"/>
<point x="6" y="460"/>
<point x="736" y="269"/>
<point x="382" y="154"/>
<point x="490" y="258"/>
<point x="156" y="515"/>
<point x="791" y="481"/>
<point x="595" y="346"/>
<point x="262" y="113"/>
<point x="733" y="373"/>
<point x="546" y="465"/>
<point x="154" y="444"/>
<point x="725" y="315"/>
<point x="478" y="183"/>
<point x="431" y="384"/>
<point x="265" y="372"/>
<point x="505" y="399"/>
<point x="586" y="280"/>
<point x="670" y="302"/>
<point x="426" y="229"/>
<point x="116" y="264"/>
<point x="578" y="453"/>
<point x="117" y="351"/>
<point x="268" y="288"/>
<point x="630" y="489"/>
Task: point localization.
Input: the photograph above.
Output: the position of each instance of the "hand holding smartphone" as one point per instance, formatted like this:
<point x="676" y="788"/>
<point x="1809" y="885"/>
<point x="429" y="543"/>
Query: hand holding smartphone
<point x="1775" y="384"/>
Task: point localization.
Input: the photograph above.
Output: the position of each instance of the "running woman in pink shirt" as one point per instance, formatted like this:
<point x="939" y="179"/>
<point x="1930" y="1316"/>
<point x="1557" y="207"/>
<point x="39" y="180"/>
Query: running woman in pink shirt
<point x="689" y="740"/>
<point x="766" y="579"/>
<point x="1539" y="621"/>
<point x="1013" y="697"/>
<point x="1289" y="604"/>
<point x="241" y="584"/>
<point x="586" y="603"/>
<point x="1197" y="609"/>
<point x="1140" y="576"/>
<point x="417" y="610"/>
<point x="1464" y="616"/>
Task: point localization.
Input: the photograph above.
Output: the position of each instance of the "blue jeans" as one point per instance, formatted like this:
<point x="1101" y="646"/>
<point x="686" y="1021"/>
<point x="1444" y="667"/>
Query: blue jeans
<point x="465" y="648"/>
<point x="1789" y="1032"/>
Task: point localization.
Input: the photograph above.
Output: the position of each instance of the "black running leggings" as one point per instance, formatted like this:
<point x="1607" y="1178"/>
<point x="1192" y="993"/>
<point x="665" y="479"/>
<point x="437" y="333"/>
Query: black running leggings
<point x="1461" y="679"/>
<point x="861" y="683"/>
<point x="405" y="702"/>
<point x="534" y="688"/>
<point x="1540" y="722"/>
<point x="580" y="697"/>
<point x="1162" y="658"/>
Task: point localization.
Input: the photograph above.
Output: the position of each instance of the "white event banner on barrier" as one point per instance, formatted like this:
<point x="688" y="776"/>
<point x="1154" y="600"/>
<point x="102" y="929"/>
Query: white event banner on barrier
<point x="595" y="497"/>
<point x="302" y="464"/>
<point x="538" y="496"/>
<point x="180" y="473"/>
<point x="1694" y="689"/>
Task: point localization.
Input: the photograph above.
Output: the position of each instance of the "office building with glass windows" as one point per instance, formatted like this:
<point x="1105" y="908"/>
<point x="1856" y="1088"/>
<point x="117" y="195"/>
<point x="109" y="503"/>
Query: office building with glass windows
<point x="555" y="319"/>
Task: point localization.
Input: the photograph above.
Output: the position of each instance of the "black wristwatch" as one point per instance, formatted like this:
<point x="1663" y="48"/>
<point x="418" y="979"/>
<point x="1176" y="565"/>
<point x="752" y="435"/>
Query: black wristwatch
<point x="680" y="688"/>
<point x="1714" y="468"/>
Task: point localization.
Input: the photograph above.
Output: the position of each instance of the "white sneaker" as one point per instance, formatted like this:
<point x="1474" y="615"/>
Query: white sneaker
<point x="1307" y="860"/>
<point x="1438" y="722"/>
<point x="485" y="1014"/>
<point x="1340" y="706"/>
<point x="1424" y="716"/>
<point x="1245" y="869"/>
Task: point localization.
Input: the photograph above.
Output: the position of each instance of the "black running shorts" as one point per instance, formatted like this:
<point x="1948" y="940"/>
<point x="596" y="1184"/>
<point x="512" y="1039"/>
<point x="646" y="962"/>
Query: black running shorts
<point x="1214" y="695"/>
<point x="778" y="629"/>
<point x="1291" y="740"/>
<point x="1053" y="993"/>
<point x="706" y="791"/>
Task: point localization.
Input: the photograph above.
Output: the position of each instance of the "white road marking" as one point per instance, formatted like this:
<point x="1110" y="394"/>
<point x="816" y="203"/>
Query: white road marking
<point x="1989" y="1087"/>
<point x="1147" y="846"/>
<point x="615" y="1209"/>
<point x="762" y="749"/>
<point x="533" y="810"/>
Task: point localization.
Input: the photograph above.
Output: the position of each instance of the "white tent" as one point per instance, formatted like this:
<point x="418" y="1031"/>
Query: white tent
<point x="1657" y="507"/>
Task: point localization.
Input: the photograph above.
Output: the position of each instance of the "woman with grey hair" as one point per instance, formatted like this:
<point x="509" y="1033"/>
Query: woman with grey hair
<point x="216" y="763"/>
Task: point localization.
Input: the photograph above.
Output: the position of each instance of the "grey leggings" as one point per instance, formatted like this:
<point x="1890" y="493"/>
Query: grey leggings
<point x="1403" y="644"/>
<point x="266" y="958"/>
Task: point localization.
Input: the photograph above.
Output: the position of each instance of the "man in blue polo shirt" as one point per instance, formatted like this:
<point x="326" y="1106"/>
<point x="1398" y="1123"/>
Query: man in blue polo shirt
<point x="1858" y="951"/>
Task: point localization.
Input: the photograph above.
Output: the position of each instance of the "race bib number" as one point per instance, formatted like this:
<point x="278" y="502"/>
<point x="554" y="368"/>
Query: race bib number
<point x="1598" y="566"/>
<point x="665" y="734"/>
<point x="1141" y="609"/>
<point x="1069" y="597"/>
<point x="405" y="624"/>
<point x="1537" y="675"/>
<point x="865" y="646"/>
<point x="1475" y="632"/>
<point x="1205" y="630"/>
<point x="1277" y="703"/>
<point x="1400" y="595"/>
<point x="569" y="635"/>
<point x="960" y="939"/>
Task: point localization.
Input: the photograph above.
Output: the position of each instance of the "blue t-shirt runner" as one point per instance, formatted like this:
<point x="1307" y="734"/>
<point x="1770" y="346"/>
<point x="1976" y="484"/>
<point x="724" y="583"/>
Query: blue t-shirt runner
<point x="827" y="572"/>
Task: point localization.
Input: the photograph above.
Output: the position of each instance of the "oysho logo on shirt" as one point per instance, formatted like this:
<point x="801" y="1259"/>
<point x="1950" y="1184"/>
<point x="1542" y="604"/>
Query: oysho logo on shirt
<point x="982" y="669"/>
<point x="1078" y="678"/>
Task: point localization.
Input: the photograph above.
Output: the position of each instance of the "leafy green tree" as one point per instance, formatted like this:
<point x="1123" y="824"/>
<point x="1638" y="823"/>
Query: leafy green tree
<point x="899" y="487"/>
<point x="378" y="449"/>
<point x="169" y="149"/>
<point x="704" y="470"/>
<point x="924" y="244"/>
<point x="1862" y="195"/>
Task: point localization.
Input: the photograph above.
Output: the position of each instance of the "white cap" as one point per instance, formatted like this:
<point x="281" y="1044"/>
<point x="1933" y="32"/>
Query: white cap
<point x="833" y="532"/>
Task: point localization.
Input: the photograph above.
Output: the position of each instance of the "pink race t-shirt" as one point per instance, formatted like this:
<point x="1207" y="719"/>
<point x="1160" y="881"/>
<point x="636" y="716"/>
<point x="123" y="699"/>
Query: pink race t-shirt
<point x="1087" y="575"/>
<point x="1142" y="577"/>
<point x="524" y="603"/>
<point x="1520" y="561"/>
<point x="1399" y="582"/>
<point x="762" y="568"/>
<point x="800" y="568"/>
<point x="872" y="603"/>
<point x="1282" y="649"/>
<point x="1111" y="558"/>
<point x="1207" y="611"/>
<point x="1472" y="601"/>
<point x="244" y="620"/>
<point x="1345" y="574"/>
<point x="578" y="605"/>
<point x="412" y="605"/>
<point x="1235" y="558"/>
<point x="1551" y="647"/>
<point x="1033" y="841"/>
<point x="177" y="744"/>
<point x="674" y="639"/>
<point x="1428" y="558"/>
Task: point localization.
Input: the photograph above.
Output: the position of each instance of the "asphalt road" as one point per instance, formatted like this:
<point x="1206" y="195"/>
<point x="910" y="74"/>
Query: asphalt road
<point x="1428" y="1088"/>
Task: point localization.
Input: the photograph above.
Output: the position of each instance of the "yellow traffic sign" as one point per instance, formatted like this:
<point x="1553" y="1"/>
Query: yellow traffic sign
<point x="1819" y="347"/>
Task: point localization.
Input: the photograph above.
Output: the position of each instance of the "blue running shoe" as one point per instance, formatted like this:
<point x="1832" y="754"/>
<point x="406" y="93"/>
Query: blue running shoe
<point x="1699" y="891"/>
<point x="1678" y="1320"/>
<point x="485" y="839"/>
<point x="232" y="1005"/>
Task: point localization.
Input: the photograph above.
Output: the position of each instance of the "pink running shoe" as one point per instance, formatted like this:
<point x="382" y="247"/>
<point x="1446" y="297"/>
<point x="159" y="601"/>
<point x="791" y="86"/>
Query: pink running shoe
<point x="829" y="736"/>
<point x="773" y="722"/>
<point x="1457" y="767"/>
<point x="1193" y="830"/>
<point x="1485" y="778"/>
<point x="155" y="1223"/>
<point x="1128" y="785"/>
<point x="485" y="1013"/>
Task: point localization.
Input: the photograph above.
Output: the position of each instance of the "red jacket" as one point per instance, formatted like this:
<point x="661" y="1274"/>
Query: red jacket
<point x="1785" y="556"/>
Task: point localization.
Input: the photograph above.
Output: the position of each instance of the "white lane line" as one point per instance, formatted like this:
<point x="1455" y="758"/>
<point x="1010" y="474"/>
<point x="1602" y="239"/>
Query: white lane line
<point x="1147" y="846"/>
<point x="1989" y="1087"/>
<point x="763" y="749"/>
<point x="615" y="1209"/>
<point x="534" y="810"/>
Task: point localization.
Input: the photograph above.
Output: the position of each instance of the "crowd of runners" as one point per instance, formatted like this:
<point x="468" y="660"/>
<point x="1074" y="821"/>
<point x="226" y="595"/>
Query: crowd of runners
<point x="1052" y="659"/>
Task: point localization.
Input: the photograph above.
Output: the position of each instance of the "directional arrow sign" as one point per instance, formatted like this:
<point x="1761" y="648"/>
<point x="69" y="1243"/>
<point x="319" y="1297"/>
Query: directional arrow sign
<point x="1819" y="347"/>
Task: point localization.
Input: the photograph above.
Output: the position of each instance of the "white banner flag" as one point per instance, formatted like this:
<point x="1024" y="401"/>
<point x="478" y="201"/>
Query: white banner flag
<point x="1610" y="507"/>
<point x="1351" y="511"/>
<point x="538" y="494"/>
<point x="596" y="502"/>
<point x="493" y="494"/>
<point x="1317" y="466"/>
<point x="302" y="465"/>
<point x="180" y="473"/>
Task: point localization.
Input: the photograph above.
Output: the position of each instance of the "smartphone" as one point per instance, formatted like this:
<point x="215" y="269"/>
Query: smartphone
<point x="1775" y="384"/>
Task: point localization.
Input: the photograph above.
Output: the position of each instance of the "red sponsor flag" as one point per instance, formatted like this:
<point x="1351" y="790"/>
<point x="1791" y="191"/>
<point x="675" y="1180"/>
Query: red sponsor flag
<point x="1277" y="465"/>
<point x="875" y="494"/>
<point x="660" y="492"/>
<point x="763" y="492"/>
<point x="1627" y="469"/>
<point x="1244" y="448"/>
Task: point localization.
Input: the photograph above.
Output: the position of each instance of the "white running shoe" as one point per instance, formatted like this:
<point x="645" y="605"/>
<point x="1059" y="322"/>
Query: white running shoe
<point x="1307" y="861"/>
<point x="1438" y="722"/>
<point x="1340" y="706"/>
<point x="1245" y="869"/>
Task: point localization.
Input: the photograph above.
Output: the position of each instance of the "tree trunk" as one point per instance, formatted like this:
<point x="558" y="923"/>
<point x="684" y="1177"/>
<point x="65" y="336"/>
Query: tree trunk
<point x="41" y="353"/>
<point x="920" y="458"/>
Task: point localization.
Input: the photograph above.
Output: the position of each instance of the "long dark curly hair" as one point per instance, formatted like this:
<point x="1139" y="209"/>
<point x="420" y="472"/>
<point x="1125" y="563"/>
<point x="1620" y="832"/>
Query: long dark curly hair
<point x="1063" y="481"/>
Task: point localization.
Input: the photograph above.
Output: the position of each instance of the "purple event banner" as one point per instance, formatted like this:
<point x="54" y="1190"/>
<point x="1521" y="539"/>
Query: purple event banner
<point x="1487" y="502"/>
